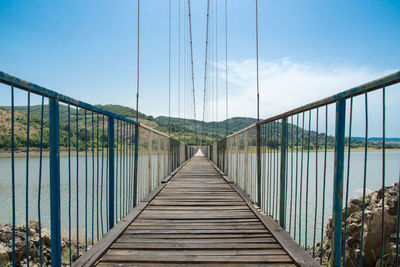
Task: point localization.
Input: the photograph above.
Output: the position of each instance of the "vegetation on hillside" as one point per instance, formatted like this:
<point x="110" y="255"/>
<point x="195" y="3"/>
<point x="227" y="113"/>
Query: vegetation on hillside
<point x="186" y="130"/>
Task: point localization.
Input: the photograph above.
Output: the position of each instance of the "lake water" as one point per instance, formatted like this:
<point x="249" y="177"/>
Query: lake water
<point x="356" y="176"/>
<point x="374" y="179"/>
<point x="315" y="193"/>
<point x="96" y="182"/>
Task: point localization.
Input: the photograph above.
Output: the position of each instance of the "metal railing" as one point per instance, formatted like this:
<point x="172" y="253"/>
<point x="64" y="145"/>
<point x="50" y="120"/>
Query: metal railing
<point x="300" y="168"/>
<point x="75" y="168"/>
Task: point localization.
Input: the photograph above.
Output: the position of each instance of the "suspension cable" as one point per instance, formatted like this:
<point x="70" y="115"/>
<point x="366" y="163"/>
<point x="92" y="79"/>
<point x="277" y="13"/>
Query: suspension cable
<point x="226" y="65"/>
<point x="169" y="69"/>
<point x="179" y="66"/>
<point x="216" y="68"/>
<point x="191" y="54"/>
<point x="258" y="82"/>
<point x="211" y="67"/>
<point x="137" y="78"/>
<point x="205" y="71"/>
<point x="184" y="64"/>
<point x="210" y="91"/>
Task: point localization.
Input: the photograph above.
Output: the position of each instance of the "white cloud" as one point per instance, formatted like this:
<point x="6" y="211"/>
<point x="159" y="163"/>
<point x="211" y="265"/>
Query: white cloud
<point x="285" y="84"/>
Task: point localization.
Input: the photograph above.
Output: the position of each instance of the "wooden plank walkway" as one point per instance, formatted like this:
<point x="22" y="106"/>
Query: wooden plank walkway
<point x="196" y="218"/>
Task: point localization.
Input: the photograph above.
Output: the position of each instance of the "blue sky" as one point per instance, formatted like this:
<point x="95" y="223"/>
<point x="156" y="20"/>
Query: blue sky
<point x="87" y="49"/>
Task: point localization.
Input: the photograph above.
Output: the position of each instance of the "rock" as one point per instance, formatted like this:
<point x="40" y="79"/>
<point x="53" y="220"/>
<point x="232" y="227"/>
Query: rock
<point x="372" y="246"/>
<point x="34" y="245"/>
<point x="4" y="260"/>
<point x="352" y="228"/>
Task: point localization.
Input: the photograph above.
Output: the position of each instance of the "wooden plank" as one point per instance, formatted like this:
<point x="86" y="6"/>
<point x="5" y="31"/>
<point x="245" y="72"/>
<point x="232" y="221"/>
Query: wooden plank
<point x="195" y="226"/>
<point x="197" y="213"/>
<point x="196" y="203"/>
<point x="106" y="264"/>
<point x="197" y="259"/>
<point x="166" y="179"/>
<point x="197" y="231"/>
<point x="201" y="236"/>
<point x="174" y="246"/>
<point x="101" y="247"/>
<point x="244" y="252"/>
<point x="242" y="241"/>
<point x="176" y="221"/>
<point x="155" y="207"/>
<point x="200" y="224"/>
<point x="299" y="255"/>
<point x="196" y="218"/>
<point x="195" y="240"/>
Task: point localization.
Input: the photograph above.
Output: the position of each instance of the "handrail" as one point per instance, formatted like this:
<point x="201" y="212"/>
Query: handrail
<point x="118" y="162"/>
<point x="34" y="88"/>
<point x="292" y="153"/>
<point x="37" y="89"/>
<point x="158" y="132"/>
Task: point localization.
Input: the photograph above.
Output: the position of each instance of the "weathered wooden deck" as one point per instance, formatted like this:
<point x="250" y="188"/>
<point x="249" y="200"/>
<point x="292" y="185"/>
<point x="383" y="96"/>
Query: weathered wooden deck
<point x="197" y="218"/>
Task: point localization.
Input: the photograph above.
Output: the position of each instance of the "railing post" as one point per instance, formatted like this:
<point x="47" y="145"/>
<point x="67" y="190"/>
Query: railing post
<point x="246" y="161"/>
<point x="150" y="171"/>
<point x="216" y="152"/>
<point x="282" y="200"/>
<point x="111" y="166"/>
<point x="135" y="168"/>
<point x="258" y="166"/>
<point x="55" y="204"/>
<point x="338" y="182"/>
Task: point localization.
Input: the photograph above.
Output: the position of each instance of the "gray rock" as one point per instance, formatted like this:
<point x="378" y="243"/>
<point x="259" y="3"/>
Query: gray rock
<point x="372" y="230"/>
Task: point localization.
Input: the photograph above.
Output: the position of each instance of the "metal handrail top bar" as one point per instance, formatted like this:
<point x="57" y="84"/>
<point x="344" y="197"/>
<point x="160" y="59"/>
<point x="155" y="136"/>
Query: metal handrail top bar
<point x="157" y="132"/>
<point x="31" y="87"/>
<point x="358" y="90"/>
<point x="251" y="126"/>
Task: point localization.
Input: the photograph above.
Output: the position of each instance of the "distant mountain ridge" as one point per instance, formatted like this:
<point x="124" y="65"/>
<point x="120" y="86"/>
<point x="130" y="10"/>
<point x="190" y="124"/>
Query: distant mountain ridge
<point x="186" y="130"/>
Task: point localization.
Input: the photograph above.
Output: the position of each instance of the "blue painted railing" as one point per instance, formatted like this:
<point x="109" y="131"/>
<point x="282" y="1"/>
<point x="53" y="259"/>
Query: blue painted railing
<point x="284" y="164"/>
<point x="100" y="165"/>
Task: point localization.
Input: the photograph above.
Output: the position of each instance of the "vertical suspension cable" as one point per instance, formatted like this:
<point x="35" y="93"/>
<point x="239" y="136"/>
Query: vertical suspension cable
<point x="258" y="89"/>
<point x="216" y="67"/>
<point x="179" y="64"/>
<point x="205" y="71"/>
<point x="226" y="65"/>
<point x="209" y="89"/>
<point x="169" y="68"/>
<point x="191" y="54"/>
<point x="184" y="65"/>
<point x="138" y="46"/>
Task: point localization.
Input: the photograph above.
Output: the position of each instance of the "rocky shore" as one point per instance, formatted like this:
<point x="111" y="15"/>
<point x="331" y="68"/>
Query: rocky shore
<point x="372" y="230"/>
<point x="34" y="246"/>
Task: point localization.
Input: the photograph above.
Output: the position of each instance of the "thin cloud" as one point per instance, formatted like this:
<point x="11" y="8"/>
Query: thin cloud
<point x="285" y="84"/>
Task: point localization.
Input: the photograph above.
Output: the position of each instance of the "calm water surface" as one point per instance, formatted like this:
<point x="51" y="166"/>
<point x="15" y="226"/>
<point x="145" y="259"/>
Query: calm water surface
<point x="374" y="182"/>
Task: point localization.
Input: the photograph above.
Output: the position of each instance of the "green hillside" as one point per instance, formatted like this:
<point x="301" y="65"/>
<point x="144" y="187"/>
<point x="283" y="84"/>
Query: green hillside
<point x="186" y="130"/>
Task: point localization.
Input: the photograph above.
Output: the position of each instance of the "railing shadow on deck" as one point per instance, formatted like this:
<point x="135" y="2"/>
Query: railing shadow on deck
<point x="100" y="165"/>
<point x="285" y="165"/>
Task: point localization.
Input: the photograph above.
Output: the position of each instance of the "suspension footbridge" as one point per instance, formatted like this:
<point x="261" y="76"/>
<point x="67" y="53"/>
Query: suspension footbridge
<point x="108" y="190"/>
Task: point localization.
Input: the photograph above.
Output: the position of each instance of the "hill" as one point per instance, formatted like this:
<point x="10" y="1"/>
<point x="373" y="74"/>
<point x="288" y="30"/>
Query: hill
<point x="186" y="130"/>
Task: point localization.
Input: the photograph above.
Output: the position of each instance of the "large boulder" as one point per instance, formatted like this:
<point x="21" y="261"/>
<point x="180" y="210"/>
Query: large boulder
<point x="372" y="247"/>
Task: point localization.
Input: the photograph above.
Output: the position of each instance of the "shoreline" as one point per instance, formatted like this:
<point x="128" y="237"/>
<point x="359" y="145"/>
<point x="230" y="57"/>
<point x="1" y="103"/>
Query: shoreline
<point x="36" y="154"/>
<point x="64" y="153"/>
